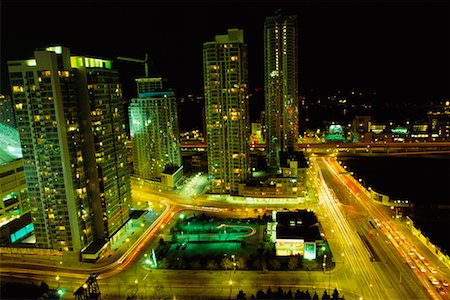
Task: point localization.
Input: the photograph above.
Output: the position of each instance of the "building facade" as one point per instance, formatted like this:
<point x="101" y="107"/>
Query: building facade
<point x="73" y="144"/>
<point x="155" y="134"/>
<point x="281" y="85"/>
<point x="226" y="106"/>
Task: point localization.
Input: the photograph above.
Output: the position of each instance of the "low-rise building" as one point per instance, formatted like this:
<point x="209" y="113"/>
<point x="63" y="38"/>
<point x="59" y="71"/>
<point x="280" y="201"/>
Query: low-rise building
<point x="295" y="233"/>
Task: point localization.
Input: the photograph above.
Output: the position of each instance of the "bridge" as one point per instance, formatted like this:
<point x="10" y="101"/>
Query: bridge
<point x="392" y="147"/>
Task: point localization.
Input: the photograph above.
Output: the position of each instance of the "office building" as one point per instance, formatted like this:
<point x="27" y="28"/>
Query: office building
<point x="70" y="121"/>
<point x="226" y="106"/>
<point x="155" y="134"/>
<point x="281" y="85"/>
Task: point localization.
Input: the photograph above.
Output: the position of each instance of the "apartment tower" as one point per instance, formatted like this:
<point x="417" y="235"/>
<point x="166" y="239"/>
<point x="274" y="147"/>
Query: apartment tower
<point x="281" y="85"/>
<point x="154" y="129"/>
<point x="73" y="143"/>
<point x="226" y="104"/>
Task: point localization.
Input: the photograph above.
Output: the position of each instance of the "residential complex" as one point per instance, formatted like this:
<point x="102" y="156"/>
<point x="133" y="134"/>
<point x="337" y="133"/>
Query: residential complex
<point x="281" y="85"/>
<point x="227" y="122"/>
<point x="70" y="120"/>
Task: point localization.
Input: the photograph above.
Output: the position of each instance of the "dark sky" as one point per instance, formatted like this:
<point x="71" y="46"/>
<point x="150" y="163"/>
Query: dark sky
<point x="399" y="49"/>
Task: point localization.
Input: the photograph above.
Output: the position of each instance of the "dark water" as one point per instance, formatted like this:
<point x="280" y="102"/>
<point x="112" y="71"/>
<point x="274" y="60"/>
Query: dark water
<point x="424" y="180"/>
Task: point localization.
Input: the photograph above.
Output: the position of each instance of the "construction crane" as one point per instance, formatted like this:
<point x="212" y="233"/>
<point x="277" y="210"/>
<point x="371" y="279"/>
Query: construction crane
<point x="136" y="60"/>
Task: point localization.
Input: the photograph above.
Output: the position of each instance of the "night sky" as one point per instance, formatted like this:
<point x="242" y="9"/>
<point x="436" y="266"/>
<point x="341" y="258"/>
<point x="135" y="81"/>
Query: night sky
<point x="400" y="50"/>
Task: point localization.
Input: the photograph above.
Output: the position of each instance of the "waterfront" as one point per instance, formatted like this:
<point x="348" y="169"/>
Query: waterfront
<point x="422" y="179"/>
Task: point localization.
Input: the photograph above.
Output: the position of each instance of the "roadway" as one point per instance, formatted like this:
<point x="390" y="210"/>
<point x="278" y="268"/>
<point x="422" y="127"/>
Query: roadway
<point x="402" y="257"/>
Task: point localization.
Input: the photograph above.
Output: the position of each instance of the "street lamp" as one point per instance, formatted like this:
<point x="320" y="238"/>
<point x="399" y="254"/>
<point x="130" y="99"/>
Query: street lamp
<point x="57" y="279"/>
<point x="230" y="282"/>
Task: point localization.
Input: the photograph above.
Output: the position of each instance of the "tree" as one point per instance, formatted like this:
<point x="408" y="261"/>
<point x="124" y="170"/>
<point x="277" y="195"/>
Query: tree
<point x="227" y="263"/>
<point x="269" y="293"/>
<point x="315" y="296"/>
<point x="163" y="263"/>
<point x="325" y="296"/>
<point x="241" y="295"/>
<point x="279" y="293"/>
<point x="293" y="263"/>
<point x="309" y="265"/>
<point x="299" y="294"/>
<point x="43" y="288"/>
<point x="289" y="294"/>
<point x="212" y="265"/>
<point x="196" y="265"/>
<point x="274" y="264"/>
<point x="161" y="242"/>
<point x="307" y="295"/>
<point x="335" y="294"/>
<point x="241" y="263"/>
<point x="260" y="294"/>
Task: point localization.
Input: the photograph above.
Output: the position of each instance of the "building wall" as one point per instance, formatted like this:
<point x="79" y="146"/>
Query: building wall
<point x="281" y="85"/>
<point x="227" y="121"/>
<point x="13" y="192"/>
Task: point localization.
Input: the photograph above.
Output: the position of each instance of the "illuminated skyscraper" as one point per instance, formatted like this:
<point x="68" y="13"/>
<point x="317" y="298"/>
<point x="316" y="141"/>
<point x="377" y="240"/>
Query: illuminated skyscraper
<point x="73" y="143"/>
<point x="281" y="85"/>
<point x="154" y="130"/>
<point x="102" y="120"/>
<point x="227" y="122"/>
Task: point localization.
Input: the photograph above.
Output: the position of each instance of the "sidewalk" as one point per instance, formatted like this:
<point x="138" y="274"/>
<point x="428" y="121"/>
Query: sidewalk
<point x="120" y="243"/>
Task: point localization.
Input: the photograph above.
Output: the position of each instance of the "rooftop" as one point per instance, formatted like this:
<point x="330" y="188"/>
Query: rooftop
<point x="302" y="224"/>
<point x="297" y="156"/>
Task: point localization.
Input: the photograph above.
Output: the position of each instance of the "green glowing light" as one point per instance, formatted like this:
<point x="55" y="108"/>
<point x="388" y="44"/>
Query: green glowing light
<point x="31" y="63"/>
<point x="56" y="49"/>
<point x="89" y="62"/>
<point x="400" y="130"/>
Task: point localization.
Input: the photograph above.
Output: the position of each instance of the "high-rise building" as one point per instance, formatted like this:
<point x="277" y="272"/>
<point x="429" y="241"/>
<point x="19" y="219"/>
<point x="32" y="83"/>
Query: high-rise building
<point x="102" y="120"/>
<point x="154" y="131"/>
<point x="226" y="105"/>
<point x="281" y="85"/>
<point x="72" y="135"/>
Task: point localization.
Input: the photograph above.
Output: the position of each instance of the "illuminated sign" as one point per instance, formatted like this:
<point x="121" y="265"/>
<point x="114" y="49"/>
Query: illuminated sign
<point x="310" y="250"/>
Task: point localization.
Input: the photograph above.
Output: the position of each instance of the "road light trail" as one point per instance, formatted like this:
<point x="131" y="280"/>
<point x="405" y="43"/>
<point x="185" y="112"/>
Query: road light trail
<point x="387" y="228"/>
<point x="357" y="254"/>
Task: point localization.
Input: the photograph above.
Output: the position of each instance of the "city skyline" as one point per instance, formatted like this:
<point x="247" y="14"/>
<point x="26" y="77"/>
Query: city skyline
<point x="298" y="179"/>
<point x="399" y="50"/>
